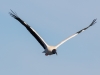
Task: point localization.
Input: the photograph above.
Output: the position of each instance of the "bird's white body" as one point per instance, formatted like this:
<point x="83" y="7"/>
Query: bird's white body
<point x="48" y="50"/>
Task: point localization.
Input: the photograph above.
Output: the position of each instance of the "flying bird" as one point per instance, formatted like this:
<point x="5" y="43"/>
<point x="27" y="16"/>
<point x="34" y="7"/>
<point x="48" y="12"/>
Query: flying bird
<point x="48" y="50"/>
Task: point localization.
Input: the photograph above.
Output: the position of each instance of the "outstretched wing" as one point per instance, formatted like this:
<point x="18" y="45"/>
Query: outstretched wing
<point x="93" y="22"/>
<point x="30" y="29"/>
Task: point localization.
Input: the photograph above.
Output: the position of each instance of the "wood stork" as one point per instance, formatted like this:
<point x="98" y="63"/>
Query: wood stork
<point x="48" y="50"/>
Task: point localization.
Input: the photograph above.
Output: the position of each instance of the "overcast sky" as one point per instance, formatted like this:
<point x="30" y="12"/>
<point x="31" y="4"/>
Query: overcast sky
<point x="54" y="20"/>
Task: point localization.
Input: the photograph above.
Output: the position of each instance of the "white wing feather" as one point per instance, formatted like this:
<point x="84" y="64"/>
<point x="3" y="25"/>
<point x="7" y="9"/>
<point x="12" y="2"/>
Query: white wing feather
<point x="66" y="40"/>
<point x="30" y="29"/>
<point x="93" y="22"/>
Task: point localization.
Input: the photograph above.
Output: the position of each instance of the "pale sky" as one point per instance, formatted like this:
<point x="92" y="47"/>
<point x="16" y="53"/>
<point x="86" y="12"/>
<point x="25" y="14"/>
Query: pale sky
<point x="54" y="20"/>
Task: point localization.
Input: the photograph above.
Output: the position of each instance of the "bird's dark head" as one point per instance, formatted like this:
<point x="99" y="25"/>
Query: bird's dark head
<point x="54" y="51"/>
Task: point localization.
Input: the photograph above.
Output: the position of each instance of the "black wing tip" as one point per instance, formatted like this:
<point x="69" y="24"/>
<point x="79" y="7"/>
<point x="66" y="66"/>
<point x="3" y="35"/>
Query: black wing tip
<point x="93" y="22"/>
<point x="13" y="14"/>
<point x="95" y="19"/>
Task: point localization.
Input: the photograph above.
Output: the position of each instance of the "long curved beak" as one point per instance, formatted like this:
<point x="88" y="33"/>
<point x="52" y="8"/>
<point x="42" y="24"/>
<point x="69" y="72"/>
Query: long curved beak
<point x="56" y="53"/>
